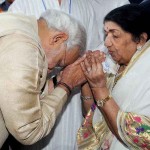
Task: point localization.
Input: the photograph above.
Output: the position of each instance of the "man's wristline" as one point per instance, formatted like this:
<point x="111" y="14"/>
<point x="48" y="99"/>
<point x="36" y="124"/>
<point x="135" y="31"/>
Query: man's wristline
<point x="65" y="87"/>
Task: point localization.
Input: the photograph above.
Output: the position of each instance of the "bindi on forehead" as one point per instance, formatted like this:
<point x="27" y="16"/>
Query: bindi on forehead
<point x="111" y="26"/>
<point x="106" y="28"/>
<point x="112" y="30"/>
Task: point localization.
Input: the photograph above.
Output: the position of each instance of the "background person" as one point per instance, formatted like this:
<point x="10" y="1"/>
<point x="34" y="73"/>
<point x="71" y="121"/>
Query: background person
<point x="146" y="5"/>
<point x="101" y="8"/>
<point x="81" y="10"/>
<point x="135" y="1"/>
<point x="4" y="5"/>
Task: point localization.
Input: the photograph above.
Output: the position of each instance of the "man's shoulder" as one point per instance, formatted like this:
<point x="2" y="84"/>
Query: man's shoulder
<point x="11" y="23"/>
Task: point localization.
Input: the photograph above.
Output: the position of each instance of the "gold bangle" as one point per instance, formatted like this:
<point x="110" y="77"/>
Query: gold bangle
<point x="86" y="98"/>
<point x="102" y="102"/>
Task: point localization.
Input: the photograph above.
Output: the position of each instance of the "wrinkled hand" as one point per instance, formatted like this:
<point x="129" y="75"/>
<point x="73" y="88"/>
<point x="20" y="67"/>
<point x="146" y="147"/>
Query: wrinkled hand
<point x="73" y="75"/>
<point x="93" y="69"/>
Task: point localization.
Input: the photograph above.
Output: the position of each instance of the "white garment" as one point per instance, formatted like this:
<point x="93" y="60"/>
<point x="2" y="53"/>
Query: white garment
<point x="2" y="1"/>
<point x="102" y="7"/>
<point x="136" y="98"/>
<point x="131" y="93"/>
<point x="63" y="136"/>
<point x="81" y="10"/>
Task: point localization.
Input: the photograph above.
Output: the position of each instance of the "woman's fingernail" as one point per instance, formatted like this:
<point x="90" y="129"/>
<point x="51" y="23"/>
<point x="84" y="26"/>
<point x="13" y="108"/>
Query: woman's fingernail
<point x="84" y="55"/>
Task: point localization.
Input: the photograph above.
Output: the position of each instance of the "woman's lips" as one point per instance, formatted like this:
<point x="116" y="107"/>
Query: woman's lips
<point x="110" y="52"/>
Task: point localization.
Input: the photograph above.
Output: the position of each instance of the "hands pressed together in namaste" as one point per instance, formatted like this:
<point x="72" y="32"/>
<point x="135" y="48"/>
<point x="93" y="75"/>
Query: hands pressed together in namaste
<point x="87" y="68"/>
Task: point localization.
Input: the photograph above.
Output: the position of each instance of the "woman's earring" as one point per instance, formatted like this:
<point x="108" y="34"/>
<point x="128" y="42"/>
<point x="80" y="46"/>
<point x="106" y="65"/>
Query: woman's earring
<point x="139" y="48"/>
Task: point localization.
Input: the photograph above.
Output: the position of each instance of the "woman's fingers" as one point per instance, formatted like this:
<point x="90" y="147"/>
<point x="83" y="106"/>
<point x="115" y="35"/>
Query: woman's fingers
<point x="79" y="60"/>
<point x="99" y="64"/>
<point x="93" y="63"/>
<point x="93" y="69"/>
<point x="87" y="64"/>
<point x="84" y="69"/>
<point x="100" y="55"/>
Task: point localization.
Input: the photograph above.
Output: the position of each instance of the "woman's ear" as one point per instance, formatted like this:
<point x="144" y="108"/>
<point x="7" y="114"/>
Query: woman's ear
<point x="143" y="38"/>
<point x="142" y="41"/>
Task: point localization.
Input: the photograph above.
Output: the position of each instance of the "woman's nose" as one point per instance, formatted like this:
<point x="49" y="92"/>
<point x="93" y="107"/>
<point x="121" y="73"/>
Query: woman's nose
<point x="108" y="42"/>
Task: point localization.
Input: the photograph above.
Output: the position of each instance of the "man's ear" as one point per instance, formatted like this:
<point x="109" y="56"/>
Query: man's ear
<point x="58" y="38"/>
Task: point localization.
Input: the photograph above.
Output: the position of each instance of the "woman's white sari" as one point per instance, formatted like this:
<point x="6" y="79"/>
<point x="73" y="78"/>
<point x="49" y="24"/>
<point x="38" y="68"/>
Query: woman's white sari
<point x="132" y="94"/>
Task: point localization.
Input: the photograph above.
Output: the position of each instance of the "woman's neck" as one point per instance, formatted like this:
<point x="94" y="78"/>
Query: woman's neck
<point x="121" y="68"/>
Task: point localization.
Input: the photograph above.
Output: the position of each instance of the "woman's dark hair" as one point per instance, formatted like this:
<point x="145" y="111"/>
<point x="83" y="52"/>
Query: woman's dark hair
<point x="132" y="19"/>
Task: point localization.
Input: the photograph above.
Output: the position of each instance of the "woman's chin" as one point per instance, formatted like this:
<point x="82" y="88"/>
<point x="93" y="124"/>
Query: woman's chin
<point x="114" y="58"/>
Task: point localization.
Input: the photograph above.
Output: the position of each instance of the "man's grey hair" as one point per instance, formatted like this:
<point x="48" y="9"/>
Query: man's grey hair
<point x="61" y="21"/>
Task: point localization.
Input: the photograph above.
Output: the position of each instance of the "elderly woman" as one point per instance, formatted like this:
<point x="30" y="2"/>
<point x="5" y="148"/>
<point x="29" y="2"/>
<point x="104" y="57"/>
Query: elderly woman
<point x="123" y="121"/>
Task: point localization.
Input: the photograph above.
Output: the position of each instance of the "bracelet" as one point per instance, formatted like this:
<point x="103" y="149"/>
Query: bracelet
<point x="102" y="102"/>
<point x="86" y="98"/>
<point x="65" y="85"/>
<point x="54" y="78"/>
